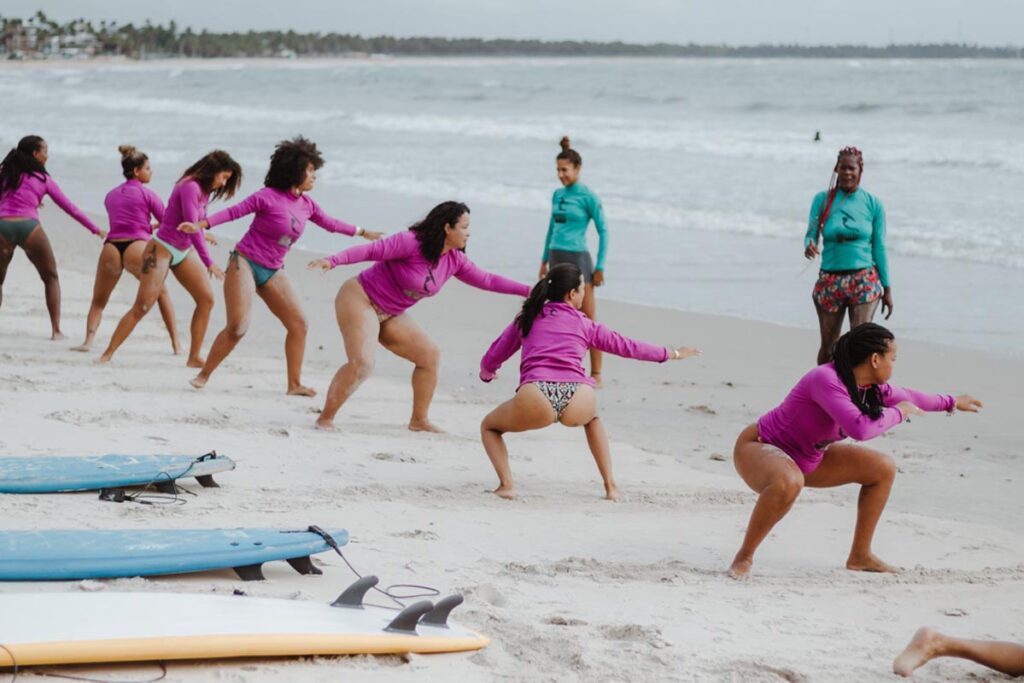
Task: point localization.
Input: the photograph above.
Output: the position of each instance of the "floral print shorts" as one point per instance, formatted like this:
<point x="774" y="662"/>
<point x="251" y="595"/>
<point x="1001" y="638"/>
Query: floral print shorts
<point x="835" y="291"/>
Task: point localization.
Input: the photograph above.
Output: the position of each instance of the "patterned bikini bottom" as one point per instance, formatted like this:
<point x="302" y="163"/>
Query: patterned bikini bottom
<point x="558" y="394"/>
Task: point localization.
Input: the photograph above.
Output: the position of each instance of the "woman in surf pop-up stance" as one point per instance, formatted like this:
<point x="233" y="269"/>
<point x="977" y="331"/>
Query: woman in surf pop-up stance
<point x="554" y="335"/>
<point x="798" y="444"/>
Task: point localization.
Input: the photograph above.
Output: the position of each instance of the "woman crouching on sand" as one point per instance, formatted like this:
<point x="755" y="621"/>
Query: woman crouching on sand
<point x="372" y="307"/>
<point x="216" y="175"/>
<point x="553" y="387"/>
<point x="795" y="445"/>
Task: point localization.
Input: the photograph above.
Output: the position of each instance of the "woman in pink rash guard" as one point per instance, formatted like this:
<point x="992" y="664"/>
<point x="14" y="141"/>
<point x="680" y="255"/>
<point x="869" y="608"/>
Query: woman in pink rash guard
<point x="372" y="307"/>
<point x="554" y="336"/>
<point x="282" y="208"/>
<point x="130" y="207"/>
<point x="24" y="182"/>
<point x="214" y="176"/>
<point x="797" y="443"/>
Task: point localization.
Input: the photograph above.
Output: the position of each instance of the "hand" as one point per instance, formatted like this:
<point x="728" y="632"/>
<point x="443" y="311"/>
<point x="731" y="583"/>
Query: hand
<point x="371" y="236"/>
<point x="543" y="270"/>
<point x="102" y="234"/>
<point x="215" y="271"/>
<point x="488" y="377"/>
<point x="908" y="409"/>
<point x="598" y="278"/>
<point x="811" y="251"/>
<point x="967" y="403"/>
<point x="683" y="352"/>
<point x="210" y="239"/>
<point x="887" y="302"/>
<point x="323" y="264"/>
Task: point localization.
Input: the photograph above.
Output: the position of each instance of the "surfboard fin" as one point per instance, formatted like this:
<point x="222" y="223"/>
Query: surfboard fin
<point x="166" y="486"/>
<point x="354" y="594"/>
<point x="407" y="619"/>
<point x="439" y="615"/>
<point x="207" y="482"/>
<point x="303" y="565"/>
<point x="250" y="572"/>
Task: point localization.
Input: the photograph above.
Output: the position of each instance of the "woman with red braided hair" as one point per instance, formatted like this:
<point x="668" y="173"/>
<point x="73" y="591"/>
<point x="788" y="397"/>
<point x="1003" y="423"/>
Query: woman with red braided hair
<point x="849" y="223"/>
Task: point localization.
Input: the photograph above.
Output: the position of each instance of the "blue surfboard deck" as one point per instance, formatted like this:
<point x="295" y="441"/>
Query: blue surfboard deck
<point x="47" y="474"/>
<point x="74" y="554"/>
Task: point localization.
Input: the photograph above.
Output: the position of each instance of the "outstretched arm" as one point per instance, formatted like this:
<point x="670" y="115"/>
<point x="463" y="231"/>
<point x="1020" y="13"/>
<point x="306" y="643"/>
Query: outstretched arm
<point x="605" y="339"/>
<point x="250" y="204"/>
<point x="933" y="403"/>
<point x="500" y="351"/>
<point x="469" y="273"/>
<point x="61" y="200"/>
<point x="329" y="223"/>
<point x="396" y="246"/>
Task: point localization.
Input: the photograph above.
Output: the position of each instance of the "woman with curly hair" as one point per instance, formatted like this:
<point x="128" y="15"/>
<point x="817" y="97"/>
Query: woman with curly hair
<point x="214" y="176"/>
<point x="372" y="307"/>
<point x="281" y="210"/>
<point x="24" y="181"/>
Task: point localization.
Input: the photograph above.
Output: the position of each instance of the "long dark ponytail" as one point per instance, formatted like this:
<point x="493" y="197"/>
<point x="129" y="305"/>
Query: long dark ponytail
<point x="560" y="280"/>
<point x="852" y="349"/>
<point x="20" y="162"/>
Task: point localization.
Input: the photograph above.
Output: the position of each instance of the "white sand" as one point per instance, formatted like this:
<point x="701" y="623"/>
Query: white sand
<point x="568" y="586"/>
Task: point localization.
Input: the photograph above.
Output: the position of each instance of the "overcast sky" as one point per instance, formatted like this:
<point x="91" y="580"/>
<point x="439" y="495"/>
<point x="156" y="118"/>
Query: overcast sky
<point x="873" y="22"/>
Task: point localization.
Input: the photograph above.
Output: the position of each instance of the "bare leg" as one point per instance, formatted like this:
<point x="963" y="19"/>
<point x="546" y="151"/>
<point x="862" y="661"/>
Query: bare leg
<point x="528" y="410"/>
<point x="927" y="644"/>
<point x="863" y="313"/>
<point x="108" y="272"/>
<point x="404" y="338"/>
<point x="875" y="472"/>
<point x="283" y="302"/>
<point x="239" y="287"/>
<point x="359" y="329"/>
<point x="582" y="411"/>
<point x="590" y="310"/>
<point x="194" y="277"/>
<point x="156" y="262"/>
<point x="6" y="254"/>
<point x="133" y="264"/>
<point x="831" y="326"/>
<point x="40" y="253"/>
<point x="776" y="479"/>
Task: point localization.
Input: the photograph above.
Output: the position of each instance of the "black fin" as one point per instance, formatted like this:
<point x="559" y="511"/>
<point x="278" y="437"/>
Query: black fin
<point x="406" y="620"/>
<point x="166" y="486"/>
<point x="207" y="482"/>
<point x="353" y="595"/>
<point x="250" y="572"/>
<point x="303" y="565"/>
<point x="439" y="615"/>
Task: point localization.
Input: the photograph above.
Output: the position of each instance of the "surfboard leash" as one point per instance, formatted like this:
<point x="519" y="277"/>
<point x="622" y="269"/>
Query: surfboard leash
<point x="426" y="591"/>
<point x="119" y="495"/>
<point x="14" y="675"/>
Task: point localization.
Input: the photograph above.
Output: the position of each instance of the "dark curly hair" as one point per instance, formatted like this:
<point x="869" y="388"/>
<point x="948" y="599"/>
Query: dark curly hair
<point x="289" y="162"/>
<point x="20" y="162"/>
<point x="204" y="170"/>
<point x="430" y="232"/>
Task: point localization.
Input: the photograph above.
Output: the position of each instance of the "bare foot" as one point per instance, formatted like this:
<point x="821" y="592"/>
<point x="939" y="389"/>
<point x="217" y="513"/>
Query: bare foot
<point x="175" y="350"/>
<point x="325" y="425"/>
<point x="919" y="651"/>
<point x="740" y="569"/>
<point x="195" y="363"/>
<point x="301" y="391"/>
<point x="596" y="376"/>
<point x="424" y="426"/>
<point x="612" y="494"/>
<point x="57" y="336"/>
<point x="105" y="358"/>
<point x="506" y="492"/>
<point x="83" y="347"/>
<point x="199" y="381"/>
<point x="870" y="563"/>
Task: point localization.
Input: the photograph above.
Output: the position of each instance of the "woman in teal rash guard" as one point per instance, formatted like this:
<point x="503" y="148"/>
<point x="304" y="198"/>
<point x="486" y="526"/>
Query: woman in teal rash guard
<point x="854" y="276"/>
<point x="573" y="206"/>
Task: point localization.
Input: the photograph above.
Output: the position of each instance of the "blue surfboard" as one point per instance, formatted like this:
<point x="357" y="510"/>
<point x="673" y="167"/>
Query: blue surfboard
<point x="74" y="554"/>
<point x="46" y="474"/>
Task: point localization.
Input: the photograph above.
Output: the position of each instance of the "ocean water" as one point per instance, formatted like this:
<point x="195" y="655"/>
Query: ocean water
<point x="706" y="167"/>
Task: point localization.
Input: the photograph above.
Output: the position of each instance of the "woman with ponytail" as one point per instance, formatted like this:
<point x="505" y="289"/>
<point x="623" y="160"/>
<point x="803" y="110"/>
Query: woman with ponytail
<point x="573" y="207"/>
<point x="24" y="181"/>
<point x="553" y="387"/>
<point x="214" y="176"/>
<point x="798" y="444"/>
<point x="849" y="223"/>
<point x="131" y="206"/>
<point x="373" y="307"/>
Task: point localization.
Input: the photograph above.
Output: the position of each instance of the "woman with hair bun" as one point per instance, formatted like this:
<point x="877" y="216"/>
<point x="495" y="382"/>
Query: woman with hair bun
<point x="798" y="444"/>
<point x="849" y="223"/>
<point x="24" y="181"/>
<point x="373" y="307"/>
<point x="213" y="176"/>
<point x="131" y="206"/>
<point x="281" y="210"/>
<point x="573" y="207"/>
<point x="553" y="386"/>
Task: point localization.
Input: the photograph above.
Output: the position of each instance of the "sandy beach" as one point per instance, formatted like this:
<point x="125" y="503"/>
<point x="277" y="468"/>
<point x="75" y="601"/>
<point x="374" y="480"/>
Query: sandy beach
<point x="567" y="585"/>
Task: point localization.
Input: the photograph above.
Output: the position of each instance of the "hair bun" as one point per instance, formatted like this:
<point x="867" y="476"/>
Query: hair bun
<point x="564" y="142"/>
<point x="126" y="150"/>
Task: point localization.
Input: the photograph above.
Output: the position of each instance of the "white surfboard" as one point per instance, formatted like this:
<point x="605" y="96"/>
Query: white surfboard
<point x="80" y="628"/>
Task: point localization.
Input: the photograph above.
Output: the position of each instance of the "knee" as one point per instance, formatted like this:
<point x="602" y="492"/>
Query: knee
<point x="886" y="468"/>
<point x="299" y="327"/>
<point x="236" y="331"/>
<point x="204" y="302"/>
<point x="141" y="308"/>
<point x="363" y="368"/>
<point x="49" y="276"/>
<point x="789" y="485"/>
<point x="430" y="358"/>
